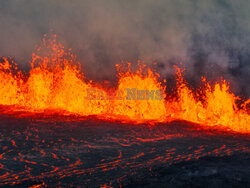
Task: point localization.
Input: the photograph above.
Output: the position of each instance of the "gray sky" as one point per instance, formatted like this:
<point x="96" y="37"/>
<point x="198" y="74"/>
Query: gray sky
<point x="209" y="37"/>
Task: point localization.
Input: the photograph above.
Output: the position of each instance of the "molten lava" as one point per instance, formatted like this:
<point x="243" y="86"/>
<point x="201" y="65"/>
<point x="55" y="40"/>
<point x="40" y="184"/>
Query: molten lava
<point x="55" y="83"/>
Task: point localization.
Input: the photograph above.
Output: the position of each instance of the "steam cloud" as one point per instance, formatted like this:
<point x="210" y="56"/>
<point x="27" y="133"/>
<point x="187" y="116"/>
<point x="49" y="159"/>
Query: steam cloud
<point x="209" y="37"/>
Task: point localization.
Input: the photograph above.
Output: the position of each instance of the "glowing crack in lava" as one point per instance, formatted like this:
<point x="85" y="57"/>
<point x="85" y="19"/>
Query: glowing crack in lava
<point x="55" y="83"/>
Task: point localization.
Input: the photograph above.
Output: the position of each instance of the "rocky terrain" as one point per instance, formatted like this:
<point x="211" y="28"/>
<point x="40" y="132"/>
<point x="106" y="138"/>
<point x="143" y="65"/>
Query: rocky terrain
<point x="69" y="151"/>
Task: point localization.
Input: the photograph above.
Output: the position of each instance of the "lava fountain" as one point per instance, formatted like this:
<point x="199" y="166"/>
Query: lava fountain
<point x="56" y="83"/>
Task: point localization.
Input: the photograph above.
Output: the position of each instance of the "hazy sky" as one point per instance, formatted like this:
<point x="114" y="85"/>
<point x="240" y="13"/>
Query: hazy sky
<point x="210" y="37"/>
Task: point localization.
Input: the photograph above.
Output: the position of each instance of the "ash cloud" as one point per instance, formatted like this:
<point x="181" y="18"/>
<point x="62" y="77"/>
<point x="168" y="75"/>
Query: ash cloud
<point x="209" y="37"/>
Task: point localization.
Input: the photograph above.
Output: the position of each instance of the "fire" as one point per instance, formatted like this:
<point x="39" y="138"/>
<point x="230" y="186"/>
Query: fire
<point x="145" y="107"/>
<point x="219" y="106"/>
<point x="56" y="83"/>
<point x="9" y="86"/>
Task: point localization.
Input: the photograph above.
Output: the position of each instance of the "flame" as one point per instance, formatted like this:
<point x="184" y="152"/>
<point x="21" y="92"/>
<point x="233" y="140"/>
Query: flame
<point x="219" y="106"/>
<point x="140" y="109"/>
<point x="56" y="83"/>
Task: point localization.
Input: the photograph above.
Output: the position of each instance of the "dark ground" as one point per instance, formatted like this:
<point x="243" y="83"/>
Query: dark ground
<point x="67" y="151"/>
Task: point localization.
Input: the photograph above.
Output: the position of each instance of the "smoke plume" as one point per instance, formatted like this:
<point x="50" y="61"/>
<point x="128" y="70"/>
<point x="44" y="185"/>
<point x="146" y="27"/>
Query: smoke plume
<point x="209" y="37"/>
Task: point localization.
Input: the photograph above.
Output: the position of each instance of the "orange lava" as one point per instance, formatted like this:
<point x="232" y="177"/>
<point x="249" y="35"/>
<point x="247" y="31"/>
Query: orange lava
<point x="55" y="83"/>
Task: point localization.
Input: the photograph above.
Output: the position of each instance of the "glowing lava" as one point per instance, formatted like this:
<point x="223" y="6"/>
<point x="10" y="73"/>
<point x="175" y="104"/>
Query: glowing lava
<point x="55" y="83"/>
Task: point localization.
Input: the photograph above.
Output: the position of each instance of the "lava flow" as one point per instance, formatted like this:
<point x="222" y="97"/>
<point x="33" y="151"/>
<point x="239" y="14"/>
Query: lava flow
<point x="55" y="83"/>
